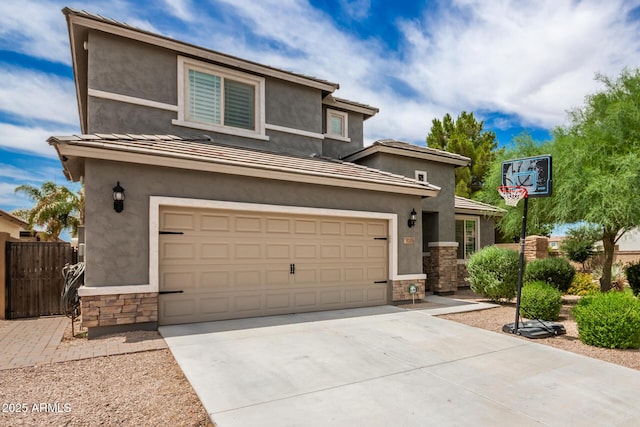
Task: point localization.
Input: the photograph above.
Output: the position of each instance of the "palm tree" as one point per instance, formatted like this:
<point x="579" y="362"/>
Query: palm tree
<point x="56" y="208"/>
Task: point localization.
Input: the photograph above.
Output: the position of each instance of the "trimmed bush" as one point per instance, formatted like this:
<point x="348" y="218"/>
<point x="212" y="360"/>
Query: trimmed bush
<point x="555" y="271"/>
<point x="493" y="273"/>
<point x="610" y="319"/>
<point x="540" y="300"/>
<point x="632" y="271"/>
<point x="583" y="284"/>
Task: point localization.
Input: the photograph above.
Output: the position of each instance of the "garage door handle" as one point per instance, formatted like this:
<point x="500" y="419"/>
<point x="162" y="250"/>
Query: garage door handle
<point x="170" y="292"/>
<point x="379" y="238"/>
<point x="380" y="281"/>
<point x="292" y="269"/>
<point x="172" y="232"/>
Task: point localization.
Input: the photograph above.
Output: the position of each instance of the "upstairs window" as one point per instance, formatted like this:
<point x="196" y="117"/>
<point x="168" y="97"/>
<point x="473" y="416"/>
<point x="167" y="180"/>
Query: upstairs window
<point x="337" y="125"/>
<point x="467" y="229"/>
<point x="218" y="99"/>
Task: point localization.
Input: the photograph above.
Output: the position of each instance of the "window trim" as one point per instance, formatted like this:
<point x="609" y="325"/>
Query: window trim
<point x="345" y="121"/>
<point x="417" y="173"/>
<point x="475" y="219"/>
<point x="185" y="64"/>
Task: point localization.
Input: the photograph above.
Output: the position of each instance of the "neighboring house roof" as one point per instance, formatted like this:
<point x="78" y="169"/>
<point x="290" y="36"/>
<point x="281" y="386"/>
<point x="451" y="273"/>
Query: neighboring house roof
<point x="13" y="219"/>
<point x="467" y="206"/>
<point x="400" y="148"/>
<point x="204" y="155"/>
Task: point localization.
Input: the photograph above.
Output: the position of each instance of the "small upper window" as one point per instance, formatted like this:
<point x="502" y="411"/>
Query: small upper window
<point x="337" y="124"/>
<point x="421" y="176"/>
<point x="219" y="99"/>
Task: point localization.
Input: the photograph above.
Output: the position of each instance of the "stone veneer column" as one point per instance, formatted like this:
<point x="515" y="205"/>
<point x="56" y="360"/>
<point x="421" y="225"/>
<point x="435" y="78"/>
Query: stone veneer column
<point x="115" y="310"/>
<point x="400" y="290"/>
<point x="442" y="269"/>
<point x="536" y="247"/>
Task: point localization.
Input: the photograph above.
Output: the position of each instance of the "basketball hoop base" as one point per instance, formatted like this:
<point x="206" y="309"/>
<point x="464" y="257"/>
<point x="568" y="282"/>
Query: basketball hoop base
<point x="535" y="329"/>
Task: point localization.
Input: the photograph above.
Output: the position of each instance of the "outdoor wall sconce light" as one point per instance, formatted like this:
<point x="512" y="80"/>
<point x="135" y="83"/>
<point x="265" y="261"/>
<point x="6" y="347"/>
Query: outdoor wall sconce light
<point x="412" y="218"/>
<point x="118" y="198"/>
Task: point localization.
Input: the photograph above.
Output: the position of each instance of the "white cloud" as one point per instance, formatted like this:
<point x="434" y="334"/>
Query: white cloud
<point x="356" y="9"/>
<point x="533" y="59"/>
<point x="36" y="28"/>
<point x="30" y="139"/>
<point x="181" y="9"/>
<point x="9" y="200"/>
<point x="37" y="95"/>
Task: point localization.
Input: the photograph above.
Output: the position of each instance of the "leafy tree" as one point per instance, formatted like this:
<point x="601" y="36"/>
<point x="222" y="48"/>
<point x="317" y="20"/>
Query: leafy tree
<point x="579" y="244"/>
<point x="465" y="137"/>
<point x="539" y="220"/>
<point x="596" y="158"/>
<point x="56" y="208"/>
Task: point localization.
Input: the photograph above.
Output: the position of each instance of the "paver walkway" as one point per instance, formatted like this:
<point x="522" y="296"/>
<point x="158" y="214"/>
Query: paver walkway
<point x="28" y="342"/>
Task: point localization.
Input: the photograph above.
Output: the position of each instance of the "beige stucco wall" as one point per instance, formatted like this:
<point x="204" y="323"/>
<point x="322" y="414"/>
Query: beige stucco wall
<point x="10" y="227"/>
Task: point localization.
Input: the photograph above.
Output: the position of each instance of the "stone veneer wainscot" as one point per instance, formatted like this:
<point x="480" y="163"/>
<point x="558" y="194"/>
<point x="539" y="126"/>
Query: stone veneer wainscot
<point x="124" y="309"/>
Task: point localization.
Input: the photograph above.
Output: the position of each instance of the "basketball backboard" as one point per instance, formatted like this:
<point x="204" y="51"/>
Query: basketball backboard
<point x="532" y="173"/>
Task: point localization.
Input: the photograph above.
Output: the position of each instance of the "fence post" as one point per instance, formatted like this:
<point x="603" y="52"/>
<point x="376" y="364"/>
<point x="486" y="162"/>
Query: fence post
<point x="4" y="237"/>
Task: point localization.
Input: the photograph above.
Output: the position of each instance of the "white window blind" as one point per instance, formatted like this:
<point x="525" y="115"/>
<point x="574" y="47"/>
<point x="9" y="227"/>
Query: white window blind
<point x="239" y="104"/>
<point x="204" y="97"/>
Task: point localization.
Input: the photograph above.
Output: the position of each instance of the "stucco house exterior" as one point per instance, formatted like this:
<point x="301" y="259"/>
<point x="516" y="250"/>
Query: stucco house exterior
<point x="12" y="224"/>
<point x="247" y="189"/>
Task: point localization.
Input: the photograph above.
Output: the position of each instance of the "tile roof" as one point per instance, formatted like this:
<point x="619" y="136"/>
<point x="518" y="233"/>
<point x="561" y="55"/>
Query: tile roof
<point x="204" y="150"/>
<point x="99" y="18"/>
<point x="464" y="204"/>
<point x="420" y="149"/>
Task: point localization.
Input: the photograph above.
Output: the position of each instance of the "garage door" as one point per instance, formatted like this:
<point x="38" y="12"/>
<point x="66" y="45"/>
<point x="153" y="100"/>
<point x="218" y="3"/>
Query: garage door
<point x="217" y="265"/>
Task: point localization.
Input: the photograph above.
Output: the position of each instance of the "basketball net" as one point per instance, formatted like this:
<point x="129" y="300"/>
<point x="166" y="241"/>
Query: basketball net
<point x="512" y="194"/>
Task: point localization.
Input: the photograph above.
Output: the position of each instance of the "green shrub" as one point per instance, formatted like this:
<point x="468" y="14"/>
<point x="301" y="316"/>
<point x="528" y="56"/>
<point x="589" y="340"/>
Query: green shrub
<point x="555" y="271"/>
<point x="540" y="300"/>
<point x="610" y="319"/>
<point x="632" y="271"/>
<point x="493" y="273"/>
<point x="583" y="284"/>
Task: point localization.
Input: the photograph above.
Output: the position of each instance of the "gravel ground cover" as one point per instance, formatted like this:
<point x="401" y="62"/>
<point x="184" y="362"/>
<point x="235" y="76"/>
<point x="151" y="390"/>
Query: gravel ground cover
<point x="493" y="319"/>
<point x="136" y="389"/>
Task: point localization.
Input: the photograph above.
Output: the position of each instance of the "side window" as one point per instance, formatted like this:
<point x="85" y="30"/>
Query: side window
<point x="466" y="236"/>
<point x="337" y="125"/>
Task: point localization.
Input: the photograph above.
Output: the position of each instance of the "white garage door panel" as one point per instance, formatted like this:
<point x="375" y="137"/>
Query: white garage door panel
<point x="232" y="264"/>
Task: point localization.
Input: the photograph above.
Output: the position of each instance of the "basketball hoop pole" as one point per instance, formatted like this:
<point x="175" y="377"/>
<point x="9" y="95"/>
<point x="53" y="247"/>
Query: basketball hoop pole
<point x="523" y="236"/>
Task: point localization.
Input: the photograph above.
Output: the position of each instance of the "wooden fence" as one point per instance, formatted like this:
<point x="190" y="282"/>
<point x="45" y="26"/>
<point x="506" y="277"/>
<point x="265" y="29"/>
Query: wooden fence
<point x="34" y="279"/>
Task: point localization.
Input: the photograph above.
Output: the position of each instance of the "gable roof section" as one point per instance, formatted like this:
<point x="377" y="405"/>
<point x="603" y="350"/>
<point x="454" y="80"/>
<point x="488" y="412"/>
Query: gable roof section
<point x="13" y="219"/>
<point x="204" y="155"/>
<point x="367" y="110"/>
<point x="82" y="18"/>
<point x="400" y="148"/>
<point x="79" y="22"/>
<point x="472" y="207"/>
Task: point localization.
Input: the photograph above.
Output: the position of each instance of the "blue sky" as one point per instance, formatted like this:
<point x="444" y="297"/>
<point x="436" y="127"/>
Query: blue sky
<point x="518" y="65"/>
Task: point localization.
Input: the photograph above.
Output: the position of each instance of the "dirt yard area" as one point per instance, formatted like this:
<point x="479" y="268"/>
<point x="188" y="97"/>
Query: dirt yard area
<point x="136" y="389"/>
<point x="493" y="319"/>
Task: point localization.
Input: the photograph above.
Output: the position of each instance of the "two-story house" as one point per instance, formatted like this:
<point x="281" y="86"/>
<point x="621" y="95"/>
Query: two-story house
<point x="219" y="188"/>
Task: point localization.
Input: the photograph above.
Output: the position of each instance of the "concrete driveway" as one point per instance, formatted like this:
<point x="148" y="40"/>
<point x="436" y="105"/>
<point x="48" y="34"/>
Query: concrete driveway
<point x="384" y="366"/>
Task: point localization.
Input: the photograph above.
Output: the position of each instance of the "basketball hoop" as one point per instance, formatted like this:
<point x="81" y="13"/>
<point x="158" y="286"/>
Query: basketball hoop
<point x="512" y="194"/>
